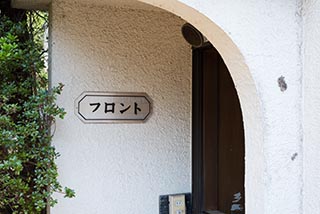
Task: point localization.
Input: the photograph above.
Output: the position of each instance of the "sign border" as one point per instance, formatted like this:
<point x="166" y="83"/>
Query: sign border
<point x="111" y="94"/>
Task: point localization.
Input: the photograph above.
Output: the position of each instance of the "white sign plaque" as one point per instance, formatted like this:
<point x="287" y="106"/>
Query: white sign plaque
<point x="101" y="107"/>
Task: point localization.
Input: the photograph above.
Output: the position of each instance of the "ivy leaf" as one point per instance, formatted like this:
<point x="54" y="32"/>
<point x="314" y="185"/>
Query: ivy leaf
<point x="28" y="172"/>
<point x="69" y="193"/>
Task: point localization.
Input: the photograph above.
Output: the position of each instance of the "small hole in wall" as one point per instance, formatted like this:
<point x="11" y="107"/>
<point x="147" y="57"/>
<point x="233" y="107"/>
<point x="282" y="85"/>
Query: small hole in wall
<point x="282" y="84"/>
<point x="294" y="156"/>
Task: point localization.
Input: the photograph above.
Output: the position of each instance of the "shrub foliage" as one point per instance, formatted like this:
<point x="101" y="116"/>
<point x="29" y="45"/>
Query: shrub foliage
<point x="28" y="173"/>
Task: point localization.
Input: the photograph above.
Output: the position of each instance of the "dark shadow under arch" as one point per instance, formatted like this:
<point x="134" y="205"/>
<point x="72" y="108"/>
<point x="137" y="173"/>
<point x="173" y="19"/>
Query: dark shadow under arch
<point x="218" y="137"/>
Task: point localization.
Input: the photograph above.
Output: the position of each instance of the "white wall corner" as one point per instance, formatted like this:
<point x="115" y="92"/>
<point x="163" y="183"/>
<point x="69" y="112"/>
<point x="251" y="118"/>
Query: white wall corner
<point x="31" y="4"/>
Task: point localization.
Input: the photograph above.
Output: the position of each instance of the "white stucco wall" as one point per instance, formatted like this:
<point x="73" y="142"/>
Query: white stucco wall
<point x="122" y="168"/>
<point x="268" y="35"/>
<point x="311" y="124"/>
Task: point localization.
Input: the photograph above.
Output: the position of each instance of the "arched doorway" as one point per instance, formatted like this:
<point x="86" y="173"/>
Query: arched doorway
<point x="233" y="59"/>
<point x="217" y="137"/>
<point x="246" y="90"/>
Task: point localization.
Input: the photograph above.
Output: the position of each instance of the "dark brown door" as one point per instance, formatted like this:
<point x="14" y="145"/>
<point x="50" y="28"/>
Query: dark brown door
<point x="218" y="137"/>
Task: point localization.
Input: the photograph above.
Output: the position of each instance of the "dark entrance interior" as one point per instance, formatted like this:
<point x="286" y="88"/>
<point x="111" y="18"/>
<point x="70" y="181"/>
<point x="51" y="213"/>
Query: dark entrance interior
<point x="218" y="137"/>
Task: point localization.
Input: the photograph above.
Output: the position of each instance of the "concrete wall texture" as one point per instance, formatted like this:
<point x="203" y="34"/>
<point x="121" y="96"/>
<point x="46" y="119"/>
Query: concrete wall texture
<point x="116" y="168"/>
<point x="107" y="45"/>
<point x="311" y="106"/>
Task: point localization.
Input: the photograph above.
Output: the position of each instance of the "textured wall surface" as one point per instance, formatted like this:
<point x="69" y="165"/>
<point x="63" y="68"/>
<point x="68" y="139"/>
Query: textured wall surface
<point x="311" y="107"/>
<point x="268" y="35"/>
<point x="122" y="168"/>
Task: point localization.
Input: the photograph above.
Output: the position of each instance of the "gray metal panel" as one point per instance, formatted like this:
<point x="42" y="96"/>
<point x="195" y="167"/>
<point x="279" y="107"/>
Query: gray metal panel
<point x="164" y="203"/>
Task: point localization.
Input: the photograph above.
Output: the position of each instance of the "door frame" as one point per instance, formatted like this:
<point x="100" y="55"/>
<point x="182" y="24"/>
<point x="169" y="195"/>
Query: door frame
<point x="197" y="127"/>
<point x="206" y="104"/>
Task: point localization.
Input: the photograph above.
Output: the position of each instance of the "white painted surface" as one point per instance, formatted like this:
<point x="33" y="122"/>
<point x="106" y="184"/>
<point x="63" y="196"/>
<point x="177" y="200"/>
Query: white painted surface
<point x="123" y="168"/>
<point x="268" y="35"/>
<point x="311" y="105"/>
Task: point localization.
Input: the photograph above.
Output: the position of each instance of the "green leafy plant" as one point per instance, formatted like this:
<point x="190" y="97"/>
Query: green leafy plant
<point x="28" y="173"/>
